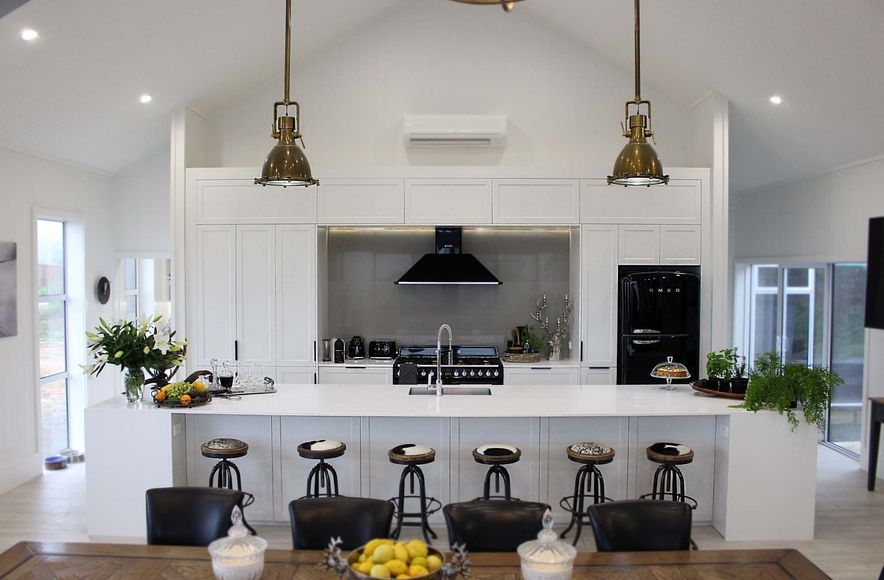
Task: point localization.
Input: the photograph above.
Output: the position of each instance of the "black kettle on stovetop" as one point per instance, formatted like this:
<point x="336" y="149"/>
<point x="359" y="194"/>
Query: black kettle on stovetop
<point x="356" y="348"/>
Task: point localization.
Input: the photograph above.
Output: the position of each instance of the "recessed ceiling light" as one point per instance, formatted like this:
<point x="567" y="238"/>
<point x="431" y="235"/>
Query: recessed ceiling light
<point x="776" y="100"/>
<point x="29" y="34"/>
<point x="144" y="99"/>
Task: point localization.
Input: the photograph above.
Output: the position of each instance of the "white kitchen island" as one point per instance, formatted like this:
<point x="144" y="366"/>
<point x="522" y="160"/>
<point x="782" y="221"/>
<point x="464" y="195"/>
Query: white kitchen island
<point x="753" y="477"/>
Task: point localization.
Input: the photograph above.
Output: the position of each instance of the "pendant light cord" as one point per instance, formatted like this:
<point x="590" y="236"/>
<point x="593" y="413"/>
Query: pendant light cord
<point x="288" y="50"/>
<point x="638" y="62"/>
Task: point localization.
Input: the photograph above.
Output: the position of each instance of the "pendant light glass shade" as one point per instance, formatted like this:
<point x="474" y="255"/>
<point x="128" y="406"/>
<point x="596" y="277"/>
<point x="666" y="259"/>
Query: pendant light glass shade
<point x="286" y="165"/>
<point x="507" y="5"/>
<point x="638" y="163"/>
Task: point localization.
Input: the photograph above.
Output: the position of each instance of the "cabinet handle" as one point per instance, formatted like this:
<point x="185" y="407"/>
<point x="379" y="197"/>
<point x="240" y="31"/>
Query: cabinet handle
<point x="352" y="367"/>
<point x="235" y="350"/>
<point x="541" y="368"/>
<point x="314" y="351"/>
<point x="315" y="380"/>
<point x="599" y="368"/>
<point x="581" y="351"/>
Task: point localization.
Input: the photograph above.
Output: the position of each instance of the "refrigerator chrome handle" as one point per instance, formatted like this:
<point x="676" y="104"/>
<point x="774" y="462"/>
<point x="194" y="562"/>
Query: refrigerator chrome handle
<point x="651" y="341"/>
<point x="645" y="331"/>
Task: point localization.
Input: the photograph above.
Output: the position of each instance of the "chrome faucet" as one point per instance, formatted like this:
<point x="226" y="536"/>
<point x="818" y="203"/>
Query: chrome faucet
<point x="439" y="356"/>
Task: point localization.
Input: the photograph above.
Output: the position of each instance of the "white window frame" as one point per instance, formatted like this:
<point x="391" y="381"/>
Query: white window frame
<point x="136" y="292"/>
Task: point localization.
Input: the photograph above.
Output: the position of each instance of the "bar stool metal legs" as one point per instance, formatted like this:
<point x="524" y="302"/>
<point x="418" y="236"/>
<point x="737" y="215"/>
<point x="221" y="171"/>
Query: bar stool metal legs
<point x="498" y="472"/>
<point x="225" y="470"/>
<point x="668" y="480"/>
<point x="322" y="477"/>
<point x="589" y="483"/>
<point x="427" y="505"/>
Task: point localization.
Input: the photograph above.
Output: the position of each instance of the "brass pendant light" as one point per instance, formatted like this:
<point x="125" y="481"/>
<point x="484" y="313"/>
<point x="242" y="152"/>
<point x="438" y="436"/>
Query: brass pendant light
<point x="507" y="5"/>
<point x="638" y="163"/>
<point x="286" y="165"/>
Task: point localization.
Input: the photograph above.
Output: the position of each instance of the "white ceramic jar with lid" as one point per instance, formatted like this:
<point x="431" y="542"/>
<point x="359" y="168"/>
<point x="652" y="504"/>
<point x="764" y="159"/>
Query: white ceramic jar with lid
<point x="547" y="557"/>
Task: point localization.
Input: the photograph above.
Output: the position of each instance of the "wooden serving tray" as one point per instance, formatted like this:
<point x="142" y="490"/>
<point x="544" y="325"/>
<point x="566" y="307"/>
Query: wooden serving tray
<point x="715" y="393"/>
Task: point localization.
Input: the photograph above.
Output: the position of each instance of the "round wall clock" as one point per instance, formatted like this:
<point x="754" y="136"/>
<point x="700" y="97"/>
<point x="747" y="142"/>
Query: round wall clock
<point x="103" y="290"/>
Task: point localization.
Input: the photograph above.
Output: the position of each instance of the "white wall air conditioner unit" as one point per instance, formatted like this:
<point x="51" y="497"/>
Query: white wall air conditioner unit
<point x="454" y="130"/>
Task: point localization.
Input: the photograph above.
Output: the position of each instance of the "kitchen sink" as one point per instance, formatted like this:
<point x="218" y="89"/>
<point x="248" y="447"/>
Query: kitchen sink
<point x="449" y="391"/>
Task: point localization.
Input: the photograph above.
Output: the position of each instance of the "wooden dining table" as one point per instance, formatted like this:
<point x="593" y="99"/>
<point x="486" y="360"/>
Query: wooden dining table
<point x="99" y="561"/>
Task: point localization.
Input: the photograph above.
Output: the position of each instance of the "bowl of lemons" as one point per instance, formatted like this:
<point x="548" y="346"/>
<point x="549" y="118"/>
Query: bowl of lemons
<point x="385" y="558"/>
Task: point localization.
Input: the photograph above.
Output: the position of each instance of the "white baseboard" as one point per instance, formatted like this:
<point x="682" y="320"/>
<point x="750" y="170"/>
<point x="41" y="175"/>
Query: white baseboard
<point x="19" y="470"/>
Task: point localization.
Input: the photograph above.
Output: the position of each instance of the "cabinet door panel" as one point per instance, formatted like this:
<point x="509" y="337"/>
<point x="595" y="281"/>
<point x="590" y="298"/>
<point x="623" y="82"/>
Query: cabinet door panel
<point x="295" y="294"/>
<point x="599" y="376"/>
<point x="355" y="375"/>
<point x="215" y="281"/>
<point x="640" y="245"/>
<point x="679" y="202"/>
<point x="448" y="201"/>
<point x="541" y="375"/>
<point x="599" y="251"/>
<point x="680" y="245"/>
<point x="256" y="293"/>
<point x="536" y="201"/>
<point x="295" y="375"/>
<point x="362" y="201"/>
<point x="240" y="201"/>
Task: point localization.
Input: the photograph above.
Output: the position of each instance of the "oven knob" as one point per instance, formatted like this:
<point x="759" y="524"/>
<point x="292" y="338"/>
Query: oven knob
<point x="487" y="373"/>
<point x="496" y="373"/>
<point x="472" y="373"/>
<point x="456" y="373"/>
<point x="398" y="373"/>
<point x="423" y="373"/>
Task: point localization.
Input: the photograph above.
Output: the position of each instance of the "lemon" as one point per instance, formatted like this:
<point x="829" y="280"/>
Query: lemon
<point x="388" y="542"/>
<point x="417" y="549"/>
<point x="417" y="571"/>
<point x="362" y="558"/>
<point x="397" y="567"/>
<point x="379" y="571"/>
<point x="434" y="562"/>
<point x="382" y="554"/>
<point x="370" y="547"/>
<point x="403" y="544"/>
<point x="400" y="552"/>
<point x="419" y="561"/>
<point x="366" y="567"/>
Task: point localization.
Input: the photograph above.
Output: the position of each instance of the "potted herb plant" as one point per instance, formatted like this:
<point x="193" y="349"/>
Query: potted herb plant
<point x="719" y="369"/>
<point x="786" y="387"/>
<point x="739" y="381"/>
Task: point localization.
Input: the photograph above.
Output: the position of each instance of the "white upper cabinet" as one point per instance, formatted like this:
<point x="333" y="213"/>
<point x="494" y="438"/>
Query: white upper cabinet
<point x="362" y="201"/>
<point x="295" y="294"/>
<point x="214" y="304"/>
<point x="536" y="201"/>
<point x="598" y="279"/>
<point x="680" y="202"/>
<point x="680" y="245"/>
<point x="256" y="293"/>
<point x="448" y="201"/>
<point x="639" y="245"/>
<point x="230" y="196"/>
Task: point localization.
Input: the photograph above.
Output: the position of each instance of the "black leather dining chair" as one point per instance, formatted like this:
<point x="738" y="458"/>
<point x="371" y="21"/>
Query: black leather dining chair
<point x="190" y="516"/>
<point x="356" y="520"/>
<point x="493" y="526"/>
<point x="641" y="525"/>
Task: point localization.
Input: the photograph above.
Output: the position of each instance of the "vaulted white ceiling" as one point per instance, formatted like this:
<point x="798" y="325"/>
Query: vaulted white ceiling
<point x="73" y="94"/>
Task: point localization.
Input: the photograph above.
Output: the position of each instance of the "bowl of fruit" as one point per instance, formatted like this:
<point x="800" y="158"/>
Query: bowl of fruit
<point x="385" y="558"/>
<point x="182" y="394"/>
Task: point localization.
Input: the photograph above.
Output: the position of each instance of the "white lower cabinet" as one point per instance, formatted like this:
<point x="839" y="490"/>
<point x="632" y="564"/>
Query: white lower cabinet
<point x="356" y="375"/>
<point x="598" y="376"/>
<point x="541" y="374"/>
<point x="305" y="375"/>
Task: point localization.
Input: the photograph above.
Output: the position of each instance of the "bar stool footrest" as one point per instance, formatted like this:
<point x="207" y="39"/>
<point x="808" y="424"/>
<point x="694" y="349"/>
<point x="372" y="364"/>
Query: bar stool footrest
<point x="569" y="504"/>
<point x="433" y="506"/>
<point x="687" y="499"/>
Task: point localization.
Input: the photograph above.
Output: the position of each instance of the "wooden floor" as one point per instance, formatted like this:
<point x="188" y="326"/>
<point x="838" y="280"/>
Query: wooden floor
<point x="849" y="520"/>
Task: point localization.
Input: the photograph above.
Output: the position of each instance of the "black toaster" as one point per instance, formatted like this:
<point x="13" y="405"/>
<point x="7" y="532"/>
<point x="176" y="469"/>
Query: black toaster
<point x="384" y="349"/>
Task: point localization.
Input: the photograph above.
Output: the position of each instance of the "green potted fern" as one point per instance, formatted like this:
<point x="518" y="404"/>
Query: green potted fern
<point x="786" y="387"/>
<point x="719" y="368"/>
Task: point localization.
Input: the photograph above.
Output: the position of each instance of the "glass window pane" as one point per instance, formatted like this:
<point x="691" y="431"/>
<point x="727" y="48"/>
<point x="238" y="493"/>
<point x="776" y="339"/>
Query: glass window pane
<point x="54" y="410"/>
<point x="131" y="307"/>
<point x="50" y="257"/>
<point x="848" y="346"/>
<point x="796" y="277"/>
<point x="52" y="338"/>
<point x="130" y="274"/>
<point x="819" y="316"/>
<point x="796" y="328"/>
<point x="765" y="335"/>
<point x="766" y="276"/>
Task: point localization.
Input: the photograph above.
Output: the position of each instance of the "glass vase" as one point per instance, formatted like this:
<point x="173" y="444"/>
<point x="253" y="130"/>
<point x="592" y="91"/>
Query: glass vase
<point x="133" y="379"/>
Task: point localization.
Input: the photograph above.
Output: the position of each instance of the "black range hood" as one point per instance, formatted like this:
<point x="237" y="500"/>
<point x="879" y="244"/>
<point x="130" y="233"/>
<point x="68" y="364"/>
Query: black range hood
<point x="448" y="265"/>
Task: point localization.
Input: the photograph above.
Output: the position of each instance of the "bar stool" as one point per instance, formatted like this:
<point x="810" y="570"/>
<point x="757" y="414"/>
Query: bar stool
<point x="497" y="455"/>
<point x="412" y="456"/>
<point x="589" y="484"/>
<point x="323" y="476"/>
<point x="225" y="449"/>
<point x="668" y="480"/>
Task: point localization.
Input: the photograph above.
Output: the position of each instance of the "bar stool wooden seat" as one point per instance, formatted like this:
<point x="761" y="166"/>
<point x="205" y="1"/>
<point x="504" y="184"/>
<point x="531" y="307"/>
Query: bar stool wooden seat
<point x="668" y="479"/>
<point x="225" y="449"/>
<point x="497" y="455"/>
<point x="322" y="479"/>
<point x="412" y="456"/>
<point x="589" y="483"/>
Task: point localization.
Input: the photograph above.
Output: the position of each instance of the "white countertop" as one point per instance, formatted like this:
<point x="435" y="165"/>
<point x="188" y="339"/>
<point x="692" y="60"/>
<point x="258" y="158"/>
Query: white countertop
<point x="505" y="401"/>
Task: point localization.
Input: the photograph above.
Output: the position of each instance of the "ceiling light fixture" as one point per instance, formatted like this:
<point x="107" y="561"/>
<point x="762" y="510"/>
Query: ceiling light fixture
<point x="29" y="34"/>
<point x="145" y="99"/>
<point x="286" y="164"/>
<point x="507" y="5"/>
<point x="776" y="100"/>
<point x="638" y="163"/>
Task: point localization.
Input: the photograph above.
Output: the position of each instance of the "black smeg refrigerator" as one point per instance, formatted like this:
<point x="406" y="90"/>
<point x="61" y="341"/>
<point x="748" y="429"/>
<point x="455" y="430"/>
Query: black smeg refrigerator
<point x="659" y="316"/>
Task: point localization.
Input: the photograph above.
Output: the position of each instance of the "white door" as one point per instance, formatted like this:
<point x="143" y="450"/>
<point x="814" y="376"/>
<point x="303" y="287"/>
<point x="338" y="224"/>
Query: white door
<point x="599" y="254"/>
<point x="215" y="299"/>
<point x="541" y="374"/>
<point x="295" y="294"/>
<point x="640" y="245"/>
<point x="256" y="293"/>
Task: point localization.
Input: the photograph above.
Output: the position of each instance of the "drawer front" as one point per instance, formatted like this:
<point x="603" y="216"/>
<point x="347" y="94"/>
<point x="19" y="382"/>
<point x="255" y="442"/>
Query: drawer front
<point x="448" y="201"/>
<point x="355" y="375"/>
<point x="536" y="201"/>
<point x="541" y="375"/>
<point x="362" y="201"/>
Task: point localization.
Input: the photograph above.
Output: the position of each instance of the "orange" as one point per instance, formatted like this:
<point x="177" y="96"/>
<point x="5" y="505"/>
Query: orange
<point x="160" y="396"/>
<point x="184" y="400"/>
